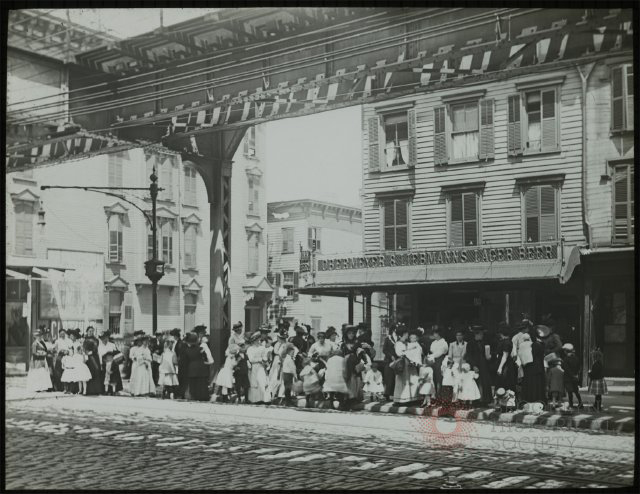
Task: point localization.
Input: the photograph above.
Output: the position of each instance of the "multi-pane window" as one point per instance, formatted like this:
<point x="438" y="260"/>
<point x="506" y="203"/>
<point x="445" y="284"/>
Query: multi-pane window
<point x="533" y="125"/>
<point x="190" y="306"/>
<point x="541" y="213"/>
<point x="316" y="323"/>
<point x="290" y="283"/>
<point x="396" y="224"/>
<point x="622" y="98"/>
<point x="250" y="142"/>
<point x="254" y="196"/>
<point x="150" y="246"/>
<point x="115" y="166"/>
<point x="287" y="240"/>
<point x="623" y="202"/>
<point x="165" y="179"/>
<point x="190" y="244"/>
<point x="166" y="236"/>
<point x="24" y="228"/>
<point x="116" y="299"/>
<point x="254" y="253"/>
<point x="463" y="131"/>
<point x="115" y="238"/>
<point x="190" y="186"/>
<point x="463" y="224"/>
<point x="313" y="238"/>
<point x="396" y="135"/>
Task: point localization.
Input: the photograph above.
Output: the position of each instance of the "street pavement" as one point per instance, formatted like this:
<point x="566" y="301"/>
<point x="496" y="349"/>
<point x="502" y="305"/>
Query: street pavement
<point x="145" y="443"/>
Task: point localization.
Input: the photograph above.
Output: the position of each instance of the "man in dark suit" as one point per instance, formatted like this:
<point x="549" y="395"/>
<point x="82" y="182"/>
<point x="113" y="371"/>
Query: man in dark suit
<point x="477" y="357"/>
<point x="197" y="369"/>
<point x="178" y="347"/>
<point x="389" y="352"/>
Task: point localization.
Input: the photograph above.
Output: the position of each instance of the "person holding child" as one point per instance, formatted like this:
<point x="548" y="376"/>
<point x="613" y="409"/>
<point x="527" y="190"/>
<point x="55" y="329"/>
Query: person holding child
<point x="406" y="386"/>
<point x="311" y="379"/>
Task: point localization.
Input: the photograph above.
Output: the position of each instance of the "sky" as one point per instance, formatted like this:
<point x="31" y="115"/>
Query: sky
<point x="311" y="157"/>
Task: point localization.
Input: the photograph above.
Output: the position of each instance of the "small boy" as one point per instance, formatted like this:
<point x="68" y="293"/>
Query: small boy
<point x="109" y="378"/>
<point x="288" y="372"/>
<point x="555" y="381"/>
<point x="505" y="399"/>
<point x="241" y="375"/>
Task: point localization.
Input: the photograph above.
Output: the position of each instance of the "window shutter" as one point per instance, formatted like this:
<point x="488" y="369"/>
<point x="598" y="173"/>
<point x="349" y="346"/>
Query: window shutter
<point x="246" y="142"/>
<point x="532" y="208"/>
<point x="318" y="238"/>
<point x="374" y="144"/>
<point x="128" y="313"/>
<point x="167" y="179"/>
<point x="470" y="212"/>
<point x="514" y="130"/>
<point x="455" y="231"/>
<point x="548" y="217"/>
<point x="278" y="279"/>
<point x="629" y="93"/>
<point x="486" y="150"/>
<point x="549" y="121"/>
<point x="440" y="155"/>
<point x="295" y="286"/>
<point x="617" y="99"/>
<point x="270" y="277"/>
<point x="413" y="151"/>
<point x="106" y="301"/>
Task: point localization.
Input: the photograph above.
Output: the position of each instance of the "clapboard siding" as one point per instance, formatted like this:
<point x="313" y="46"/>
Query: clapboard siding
<point x="601" y="147"/>
<point x="501" y="203"/>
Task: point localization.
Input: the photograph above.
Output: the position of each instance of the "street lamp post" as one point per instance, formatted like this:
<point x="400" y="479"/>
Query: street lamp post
<point x="154" y="268"/>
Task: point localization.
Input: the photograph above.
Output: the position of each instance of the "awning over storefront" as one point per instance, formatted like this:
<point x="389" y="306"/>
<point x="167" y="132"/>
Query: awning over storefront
<point x="17" y="262"/>
<point x="541" y="262"/>
<point x="16" y="275"/>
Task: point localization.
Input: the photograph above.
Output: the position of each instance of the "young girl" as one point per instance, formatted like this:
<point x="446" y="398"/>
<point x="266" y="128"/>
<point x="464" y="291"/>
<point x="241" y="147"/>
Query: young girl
<point x="68" y="378"/>
<point x="168" y="374"/>
<point x="555" y="381"/>
<point x="81" y="370"/>
<point x="288" y="371"/>
<point x="450" y="375"/>
<point x="414" y="350"/>
<point x="597" y="386"/>
<point x="467" y="388"/>
<point x="426" y="388"/>
<point x="373" y="382"/>
<point x="224" y="381"/>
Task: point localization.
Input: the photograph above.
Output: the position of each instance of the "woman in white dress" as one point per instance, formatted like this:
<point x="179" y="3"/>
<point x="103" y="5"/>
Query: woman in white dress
<point x="38" y="377"/>
<point x="259" y="383"/>
<point x="141" y="383"/>
<point x="276" y="386"/>
<point x="407" y="382"/>
<point x="224" y="380"/>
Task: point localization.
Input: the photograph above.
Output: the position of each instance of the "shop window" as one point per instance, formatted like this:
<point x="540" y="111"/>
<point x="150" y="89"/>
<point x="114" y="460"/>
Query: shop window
<point x="190" y="246"/>
<point x="623" y="202"/>
<point x="533" y="124"/>
<point x="24" y="218"/>
<point x="250" y="142"/>
<point x="190" y="186"/>
<point x="463" y="132"/>
<point x="313" y="239"/>
<point x="287" y="240"/>
<point x="541" y="213"/>
<point x="115" y="238"/>
<point x="395" y="217"/>
<point x="463" y="219"/>
<point x="115" y="166"/>
<point x="622" y="98"/>
<point x="392" y="140"/>
<point x="254" y="253"/>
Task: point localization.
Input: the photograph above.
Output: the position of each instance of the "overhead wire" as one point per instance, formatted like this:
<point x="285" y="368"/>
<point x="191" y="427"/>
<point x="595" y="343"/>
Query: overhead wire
<point x="406" y="38"/>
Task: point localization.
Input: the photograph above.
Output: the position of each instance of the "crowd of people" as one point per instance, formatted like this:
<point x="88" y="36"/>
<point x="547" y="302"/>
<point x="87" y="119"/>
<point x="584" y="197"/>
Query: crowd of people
<point x="416" y="367"/>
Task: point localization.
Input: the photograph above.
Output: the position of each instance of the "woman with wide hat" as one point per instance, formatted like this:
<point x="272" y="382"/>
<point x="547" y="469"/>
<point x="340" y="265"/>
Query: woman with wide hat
<point x="407" y="378"/>
<point x="90" y="348"/>
<point x="38" y="377"/>
<point x="141" y="382"/>
<point x="276" y="386"/>
<point x="237" y="335"/>
<point x="258" y="382"/>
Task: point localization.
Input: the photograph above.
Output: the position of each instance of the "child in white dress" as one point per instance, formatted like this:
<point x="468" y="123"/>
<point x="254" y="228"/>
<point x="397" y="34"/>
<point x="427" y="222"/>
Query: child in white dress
<point x="81" y="370"/>
<point x="414" y="350"/>
<point x="467" y="388"/>
<point x="224" y="381"/>
<point x="168" y="374"/>
<point x="426" y="388"/>
<point x="450" y="375"/>
<point x="68" y="375"/>
<point x="373" y="382"/>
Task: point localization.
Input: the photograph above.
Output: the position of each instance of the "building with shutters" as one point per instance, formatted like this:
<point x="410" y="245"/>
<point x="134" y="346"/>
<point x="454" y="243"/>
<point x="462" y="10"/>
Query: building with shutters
<point x="512" y="196"/>
<point x="296" y="228"/>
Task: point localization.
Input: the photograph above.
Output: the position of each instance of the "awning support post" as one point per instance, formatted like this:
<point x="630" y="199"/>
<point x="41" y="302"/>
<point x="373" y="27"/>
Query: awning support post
<point x="350" y="307"/>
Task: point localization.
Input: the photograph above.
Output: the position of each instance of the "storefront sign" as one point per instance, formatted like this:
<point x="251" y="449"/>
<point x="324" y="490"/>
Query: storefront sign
<point x="450" y="256"/>
<point x="305" y="265"/>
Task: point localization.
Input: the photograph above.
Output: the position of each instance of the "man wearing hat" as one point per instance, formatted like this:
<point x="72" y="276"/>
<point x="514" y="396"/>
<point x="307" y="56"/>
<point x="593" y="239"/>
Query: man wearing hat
<point x="478" y="356"/>
<point x="179" y="347"/>
<point x="196" y="368"/>
<point x="105" y="346"/>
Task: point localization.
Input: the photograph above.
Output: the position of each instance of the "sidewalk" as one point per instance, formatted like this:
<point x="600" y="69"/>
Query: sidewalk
<point x="607" y="421"/>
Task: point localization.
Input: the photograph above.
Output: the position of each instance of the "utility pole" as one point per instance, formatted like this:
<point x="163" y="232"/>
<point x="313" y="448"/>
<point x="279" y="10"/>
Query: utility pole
<point x="154" y="268"/>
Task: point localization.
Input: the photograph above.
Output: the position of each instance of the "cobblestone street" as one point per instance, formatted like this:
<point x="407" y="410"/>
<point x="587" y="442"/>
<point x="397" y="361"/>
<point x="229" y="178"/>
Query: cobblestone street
<point x="254" y="447"/>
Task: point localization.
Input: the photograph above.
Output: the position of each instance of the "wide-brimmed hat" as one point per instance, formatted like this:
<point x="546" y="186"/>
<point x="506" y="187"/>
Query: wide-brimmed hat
<point x="321" y="333"/>
<point x="283" y="333"/>
<point x="543" y="330"/>
<point x="330" y="330"/>
<point x="500" y="392"/>
<point x="237" y="325"/>
<point x="200" y="329"/>
<point x="37" y="332"/>
<point x="253" y="337"/>
<point x="301" y="329"/>
<point x="175" y="332"/>
<point x="138" y="333"/>
<point x="191" y="337"/>
<point x="105" y="333"/>
<point x="264" y="328"/>
<point x="476" y="328"/>
<point x="349" y="329"/>
<point x="568" y="347"/>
